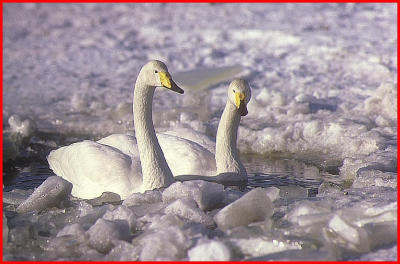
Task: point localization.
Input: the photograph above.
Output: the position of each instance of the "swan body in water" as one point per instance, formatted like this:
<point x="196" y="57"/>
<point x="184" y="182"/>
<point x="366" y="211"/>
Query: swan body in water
<point x="110" y="165"/>
<point x="225" y="164"/>
<point x="192" y="155"/>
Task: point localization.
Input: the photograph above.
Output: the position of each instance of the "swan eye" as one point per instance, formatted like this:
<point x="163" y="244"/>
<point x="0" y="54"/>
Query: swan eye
<point x="234" y="91"/>
<point x="155" y="71"/>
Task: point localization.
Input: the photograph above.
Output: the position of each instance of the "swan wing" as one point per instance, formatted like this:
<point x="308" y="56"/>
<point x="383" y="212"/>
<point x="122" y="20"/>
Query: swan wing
<point x="94" y="168"/>
<point x="127" y="144"/>
<point x="192" y="135"/>
<point x="186" y="157"/>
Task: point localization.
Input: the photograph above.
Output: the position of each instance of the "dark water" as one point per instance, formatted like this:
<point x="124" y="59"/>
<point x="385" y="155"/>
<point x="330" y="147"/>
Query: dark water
<point x="28" y="177"/>
<point x="30" y="169"/>
<point x="31" y="175"/>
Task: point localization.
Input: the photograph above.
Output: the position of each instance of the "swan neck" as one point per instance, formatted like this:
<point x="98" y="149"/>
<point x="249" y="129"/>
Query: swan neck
<point x="155" y="170"/>
<point x="226" y="154"/>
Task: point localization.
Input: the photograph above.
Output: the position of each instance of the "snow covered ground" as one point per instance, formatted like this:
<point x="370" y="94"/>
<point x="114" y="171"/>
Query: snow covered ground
<point x="324" y="91"/>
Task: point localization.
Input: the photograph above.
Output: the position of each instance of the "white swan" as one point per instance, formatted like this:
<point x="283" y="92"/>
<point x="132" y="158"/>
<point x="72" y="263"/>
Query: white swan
<point x="225" y="165"/>
<point x="110" y="165"/>
<point x="191" y="154"/>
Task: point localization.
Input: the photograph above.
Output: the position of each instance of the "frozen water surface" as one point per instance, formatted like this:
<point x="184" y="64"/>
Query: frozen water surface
<point x="320" y="139"/>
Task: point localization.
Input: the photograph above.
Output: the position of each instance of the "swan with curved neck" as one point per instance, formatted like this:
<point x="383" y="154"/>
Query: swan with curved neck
<point x="191" y="154"/>
<point x="226" y="154"/>
<point x="225" y="165"/>
<point x="155" y="170"/>
<point x="97" y="167"/>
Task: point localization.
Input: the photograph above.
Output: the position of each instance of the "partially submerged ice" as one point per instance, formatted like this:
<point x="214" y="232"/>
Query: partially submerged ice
<point x="251" y="207"/>
<point x="54" y="191"/>
<point x="259" y="224"/>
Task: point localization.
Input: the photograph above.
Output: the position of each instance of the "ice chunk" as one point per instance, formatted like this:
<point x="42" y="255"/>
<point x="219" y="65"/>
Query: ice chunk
<point x="148" y="197"/>
<point x="64" y="248"/>
<point x="22" y="233"/>
<point x="370" y="177"/>
<point x="273" y="193"/>
<point x="383" y="102"/>
<point x="380" y="209"/>
<point x="341" y="234"/>
<point x="327" y="188"/>
<point x="5" y="230"/>
<point x="187" y="209"/>
<point x="382" y="234"/>
<point x="103" y="232"/>
<point x="382" y="160"/>
<point x="89" y="254"/>
<point x="106" y="198"/>
<point x="16" y="196"/>
<point x="297" y="256"/>
<point x="253" y="206"/>
<point x="210" y="251"/>
<point x="196" y="231"/>
<point x="208" y="195"/>
<point x="255" y="247"/>
<point x="24" y="128"/>
<point x="123" y="251"/>
<point x="313" y="219"/>
<point x="165" y="244"/>
<point x="162" y="221"/>
<point x="75" y="230"/>
<point x="381" y="255"/>
<point x="255" y="229"/>
<point x="122" y="213"/>
<point x="87" y="214"/>
<point x="84" y="208"/>
<point x="305" y="208"/>
<point x="146" y="209"/>
<point x="54" y="191"/>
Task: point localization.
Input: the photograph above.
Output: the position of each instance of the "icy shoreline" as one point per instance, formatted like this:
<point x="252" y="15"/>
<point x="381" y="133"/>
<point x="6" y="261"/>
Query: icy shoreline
<point x="198" y="220"/>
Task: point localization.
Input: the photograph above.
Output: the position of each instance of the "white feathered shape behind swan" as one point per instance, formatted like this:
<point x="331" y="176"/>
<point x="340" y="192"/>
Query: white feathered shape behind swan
<point x="110" y="165"/>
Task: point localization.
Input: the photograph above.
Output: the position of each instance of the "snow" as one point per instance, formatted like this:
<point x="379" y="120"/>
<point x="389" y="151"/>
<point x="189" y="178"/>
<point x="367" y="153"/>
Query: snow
<point x="324" y="105"/>
<point x="210" y="251"/>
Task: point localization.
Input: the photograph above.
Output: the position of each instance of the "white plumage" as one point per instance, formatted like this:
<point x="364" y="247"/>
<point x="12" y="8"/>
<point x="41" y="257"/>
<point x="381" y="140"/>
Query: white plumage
<point x="125" y="164"/>
<point x="191" y="154"/>
<point x="220" y="161"/>
<point x="120" y="163"/>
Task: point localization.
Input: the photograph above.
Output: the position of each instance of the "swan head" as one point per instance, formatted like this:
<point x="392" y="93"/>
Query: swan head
<point x="155" y="73"/>
<point x="239" y="95"/>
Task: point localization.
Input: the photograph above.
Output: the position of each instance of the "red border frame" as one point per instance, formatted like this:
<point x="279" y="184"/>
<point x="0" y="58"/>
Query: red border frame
<point x="196" y="1"/>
